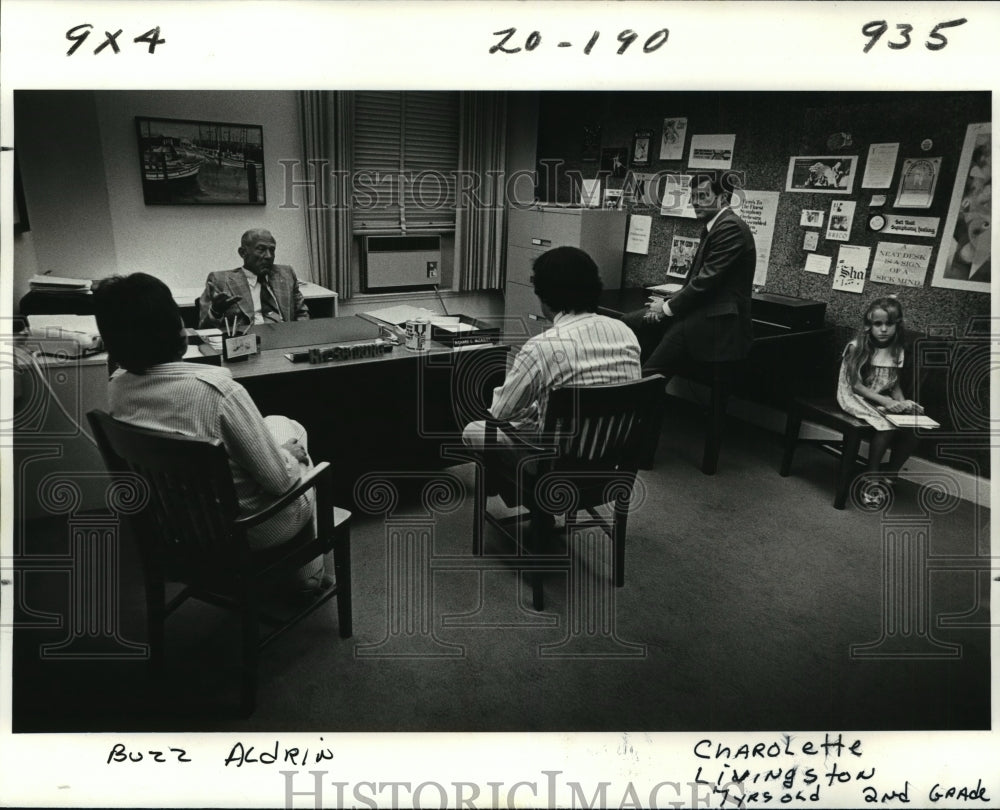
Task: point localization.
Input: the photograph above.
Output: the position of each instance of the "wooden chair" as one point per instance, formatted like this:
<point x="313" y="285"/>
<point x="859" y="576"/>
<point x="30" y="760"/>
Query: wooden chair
<point x="587" y="455"/>
<point x="826" y="411"/>
<point x="189" y="531"/>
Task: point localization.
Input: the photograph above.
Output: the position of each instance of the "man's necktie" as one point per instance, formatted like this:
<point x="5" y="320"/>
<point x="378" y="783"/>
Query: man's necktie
<point x="269" y="310"/>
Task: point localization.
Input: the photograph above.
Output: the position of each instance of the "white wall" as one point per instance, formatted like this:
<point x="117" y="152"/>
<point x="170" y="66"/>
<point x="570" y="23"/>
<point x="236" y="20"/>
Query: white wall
<point x="80" y="165"/>
<point x="58" y="147"/>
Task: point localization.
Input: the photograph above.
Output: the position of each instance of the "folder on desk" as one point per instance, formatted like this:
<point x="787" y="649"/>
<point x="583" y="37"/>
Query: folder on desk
<point x="399" y="315"/>
<point x="462" y="330"/>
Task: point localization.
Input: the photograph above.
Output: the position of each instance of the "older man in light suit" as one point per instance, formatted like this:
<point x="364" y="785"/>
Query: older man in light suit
<point x="258" y="292"/>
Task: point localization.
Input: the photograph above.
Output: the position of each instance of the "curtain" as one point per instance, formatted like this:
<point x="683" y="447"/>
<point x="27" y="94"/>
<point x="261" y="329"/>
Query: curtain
<point x="479" y="242"/>
<point x="327" y="134"/>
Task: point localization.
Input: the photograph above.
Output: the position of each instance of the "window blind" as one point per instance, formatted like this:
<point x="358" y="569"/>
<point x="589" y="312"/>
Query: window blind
<point x="405" y="159"/>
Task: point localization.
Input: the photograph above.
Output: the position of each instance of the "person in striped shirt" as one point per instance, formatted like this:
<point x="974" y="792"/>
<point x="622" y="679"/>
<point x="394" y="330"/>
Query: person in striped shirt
<point x="153" y="388"/>
<point x="580" y="348"/>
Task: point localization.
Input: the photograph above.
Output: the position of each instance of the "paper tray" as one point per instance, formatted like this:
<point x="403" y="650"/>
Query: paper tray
<point x="469" y="332"/>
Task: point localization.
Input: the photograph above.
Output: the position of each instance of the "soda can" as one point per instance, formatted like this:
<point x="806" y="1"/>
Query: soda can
<point x="418" y="333"/>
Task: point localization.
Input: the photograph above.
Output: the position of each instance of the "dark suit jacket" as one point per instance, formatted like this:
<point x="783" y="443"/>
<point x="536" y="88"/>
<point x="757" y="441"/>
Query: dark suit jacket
<point x="234" y="282"/>
<point x="713" y="307"/>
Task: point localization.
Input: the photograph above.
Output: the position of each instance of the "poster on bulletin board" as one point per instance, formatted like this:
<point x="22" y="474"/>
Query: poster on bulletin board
<point x="917" y="182"/>
<point x="963" y="262"/>
<point x="852" y="265"/>
<point x="821" y="174"/>
<point x="903" y="265"/>
<point x="672" y="140"/>
<point x="677" y="196"/>
<point x="711" y="152"/>
<point x="758" y="209"/>
<point x="880" y="165"/>
<point x="841" y="219"/>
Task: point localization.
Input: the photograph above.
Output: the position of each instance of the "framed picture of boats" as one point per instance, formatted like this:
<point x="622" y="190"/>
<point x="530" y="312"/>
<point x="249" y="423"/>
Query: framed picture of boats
<point x="200" y="162"/>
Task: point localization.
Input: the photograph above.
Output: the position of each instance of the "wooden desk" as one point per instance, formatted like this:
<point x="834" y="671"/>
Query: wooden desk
<point x="782" y="364"/>
<point x="393" y="412"/>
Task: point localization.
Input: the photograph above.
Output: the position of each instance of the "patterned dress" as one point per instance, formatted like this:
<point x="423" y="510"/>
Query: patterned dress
<point x="881" y="379"/>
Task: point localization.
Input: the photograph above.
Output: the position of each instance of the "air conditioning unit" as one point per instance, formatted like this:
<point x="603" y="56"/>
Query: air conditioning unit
<point x="401" y="262"/>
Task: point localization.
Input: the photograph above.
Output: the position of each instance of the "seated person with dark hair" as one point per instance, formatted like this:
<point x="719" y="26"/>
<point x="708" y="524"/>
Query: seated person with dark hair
<point x="580" y="348"/>
<point x="258" y="292"/>
<point x="154" y="389"/>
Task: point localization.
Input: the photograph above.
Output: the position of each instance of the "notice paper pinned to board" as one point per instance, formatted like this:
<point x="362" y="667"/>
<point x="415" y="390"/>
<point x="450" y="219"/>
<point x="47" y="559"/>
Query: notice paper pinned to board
<point x="638" y="233"/>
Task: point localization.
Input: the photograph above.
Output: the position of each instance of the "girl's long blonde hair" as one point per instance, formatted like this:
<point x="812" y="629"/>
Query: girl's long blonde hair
<point x="859" y="359"/>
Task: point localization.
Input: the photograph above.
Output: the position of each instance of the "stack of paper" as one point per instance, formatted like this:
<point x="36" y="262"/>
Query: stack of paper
<point x="55" y="325"/>
<point x="59" y="284"/>
<point x="455" y="327"/>
<point x="399" y="315"/>
<point x="71" y="335"/>
<point x="213" y="337"/>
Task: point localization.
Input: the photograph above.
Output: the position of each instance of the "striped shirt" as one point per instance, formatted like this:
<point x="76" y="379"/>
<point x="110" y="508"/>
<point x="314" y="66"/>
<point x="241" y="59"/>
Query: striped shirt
<point x="579" y="349"/>
<point x="205" y="402"/>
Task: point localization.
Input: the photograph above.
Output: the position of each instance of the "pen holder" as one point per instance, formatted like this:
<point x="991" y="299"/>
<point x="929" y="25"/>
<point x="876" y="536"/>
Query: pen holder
<point x="239" y="347"/>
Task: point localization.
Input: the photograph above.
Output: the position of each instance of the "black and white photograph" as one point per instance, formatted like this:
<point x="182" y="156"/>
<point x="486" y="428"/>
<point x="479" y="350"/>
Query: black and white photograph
<point x="682" y="251"/>
<point x="821" y="175"/>
<point x="350" y="460"/>
<point x="642" y="141"/>
<point x="200" y="162"/>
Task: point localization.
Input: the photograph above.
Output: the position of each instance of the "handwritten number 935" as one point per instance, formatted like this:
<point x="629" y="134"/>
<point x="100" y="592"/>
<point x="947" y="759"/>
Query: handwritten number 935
<point x="935" y="40"/>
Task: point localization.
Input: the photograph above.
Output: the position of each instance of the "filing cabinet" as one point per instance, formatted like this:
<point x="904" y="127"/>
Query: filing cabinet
<point x="532" y="231"/>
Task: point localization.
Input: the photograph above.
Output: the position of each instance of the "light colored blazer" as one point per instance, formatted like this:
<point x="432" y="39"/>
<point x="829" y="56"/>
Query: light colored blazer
<point x="233" y="283"/>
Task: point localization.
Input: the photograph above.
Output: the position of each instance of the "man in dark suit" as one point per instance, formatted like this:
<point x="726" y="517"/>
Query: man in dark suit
<point x="258" y="292"/>
<point x="708" y="319"/>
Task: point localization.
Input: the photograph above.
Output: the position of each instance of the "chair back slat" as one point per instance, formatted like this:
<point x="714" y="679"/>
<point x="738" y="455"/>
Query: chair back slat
<point x="604" y="426"/>
<point x="187" y="519"/>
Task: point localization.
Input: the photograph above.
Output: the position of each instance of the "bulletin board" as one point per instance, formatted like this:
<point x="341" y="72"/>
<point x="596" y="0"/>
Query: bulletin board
<point x="760" y="135"/>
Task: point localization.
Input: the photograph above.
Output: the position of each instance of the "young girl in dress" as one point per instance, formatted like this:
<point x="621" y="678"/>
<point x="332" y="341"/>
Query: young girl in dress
<point x="869" y="383"/>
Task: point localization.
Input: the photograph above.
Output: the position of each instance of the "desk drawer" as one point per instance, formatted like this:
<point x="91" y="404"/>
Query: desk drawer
<point x="523" y="311"/>
<point x="520" y="261"/>
<point x="544" y="229"/>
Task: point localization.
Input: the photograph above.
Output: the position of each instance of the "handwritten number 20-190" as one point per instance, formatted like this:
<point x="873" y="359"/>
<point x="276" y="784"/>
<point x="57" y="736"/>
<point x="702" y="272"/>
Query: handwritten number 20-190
<point x="626" y="38"/>
<point x="935" y="40"/>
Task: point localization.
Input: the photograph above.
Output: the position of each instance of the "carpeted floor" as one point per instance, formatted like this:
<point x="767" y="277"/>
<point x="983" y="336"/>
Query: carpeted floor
<point x="745" y="594"/>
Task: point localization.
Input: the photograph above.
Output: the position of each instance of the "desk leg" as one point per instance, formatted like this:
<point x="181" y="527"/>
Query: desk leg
<point x="792" y="428"/>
